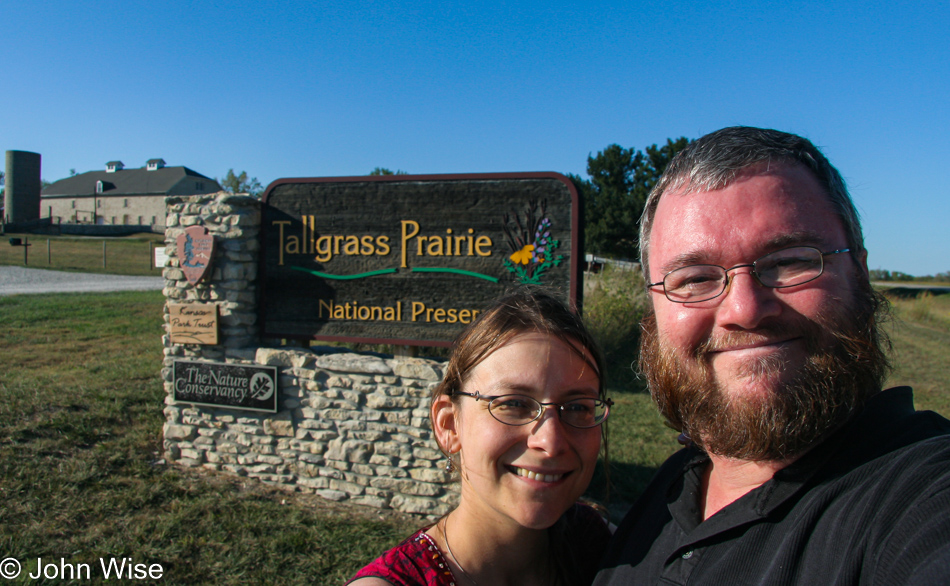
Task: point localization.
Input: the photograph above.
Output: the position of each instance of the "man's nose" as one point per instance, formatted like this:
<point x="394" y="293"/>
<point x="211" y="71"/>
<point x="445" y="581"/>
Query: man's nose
<point x="746" y="301"/>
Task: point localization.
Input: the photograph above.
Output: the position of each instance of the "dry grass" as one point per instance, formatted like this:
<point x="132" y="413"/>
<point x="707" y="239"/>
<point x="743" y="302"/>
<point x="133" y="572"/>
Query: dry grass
<point x="920" y="332"/>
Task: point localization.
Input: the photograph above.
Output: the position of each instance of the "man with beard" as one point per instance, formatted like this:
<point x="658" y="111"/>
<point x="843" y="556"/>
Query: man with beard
<point x="763" y="347"/>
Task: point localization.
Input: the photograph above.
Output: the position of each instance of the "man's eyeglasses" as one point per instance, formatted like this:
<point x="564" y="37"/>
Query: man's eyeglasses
<point x="522" y="410"/>
<point x="783" y="268"/>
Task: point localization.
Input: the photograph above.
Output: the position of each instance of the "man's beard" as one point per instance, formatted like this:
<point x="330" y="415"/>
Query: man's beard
<point x="845" y="364"/>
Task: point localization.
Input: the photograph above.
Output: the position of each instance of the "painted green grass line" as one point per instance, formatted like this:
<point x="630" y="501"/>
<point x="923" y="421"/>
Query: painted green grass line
<point x="345" y="277"/>
<point x="456" y="271"/>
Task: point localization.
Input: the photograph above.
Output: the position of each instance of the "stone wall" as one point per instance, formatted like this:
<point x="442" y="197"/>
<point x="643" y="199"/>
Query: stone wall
<point x="144" y="210"/>
<point x="349" y="426"/>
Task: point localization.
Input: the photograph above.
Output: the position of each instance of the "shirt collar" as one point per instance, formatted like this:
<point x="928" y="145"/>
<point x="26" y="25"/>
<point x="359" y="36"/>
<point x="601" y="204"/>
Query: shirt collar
<point x="881" y="411"/>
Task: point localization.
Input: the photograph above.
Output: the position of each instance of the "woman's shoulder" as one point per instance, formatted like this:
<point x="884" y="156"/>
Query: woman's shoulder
<point x="416" y="561"/>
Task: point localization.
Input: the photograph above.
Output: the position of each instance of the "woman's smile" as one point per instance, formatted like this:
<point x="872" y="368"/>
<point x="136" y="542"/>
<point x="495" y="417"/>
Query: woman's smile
<point x="545" y="477"/>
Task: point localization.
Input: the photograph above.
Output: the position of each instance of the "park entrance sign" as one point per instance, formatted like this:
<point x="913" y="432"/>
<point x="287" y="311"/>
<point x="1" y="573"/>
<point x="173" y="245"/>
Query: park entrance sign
<point x="411" y="259"/>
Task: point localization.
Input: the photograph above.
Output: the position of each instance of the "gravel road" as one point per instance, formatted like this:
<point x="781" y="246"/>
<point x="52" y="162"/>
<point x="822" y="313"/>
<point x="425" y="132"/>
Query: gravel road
<point x="20" y="280"/>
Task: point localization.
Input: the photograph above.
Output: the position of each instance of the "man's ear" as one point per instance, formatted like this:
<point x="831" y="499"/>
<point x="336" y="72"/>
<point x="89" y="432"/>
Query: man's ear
<point x="862" y="260"/>
<point x="445" y="424"/>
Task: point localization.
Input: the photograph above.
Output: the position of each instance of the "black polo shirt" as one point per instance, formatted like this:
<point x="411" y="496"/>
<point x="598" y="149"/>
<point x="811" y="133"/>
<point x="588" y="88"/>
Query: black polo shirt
<point x="870" y="505"/>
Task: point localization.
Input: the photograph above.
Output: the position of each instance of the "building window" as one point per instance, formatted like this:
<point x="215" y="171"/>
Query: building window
<point x="74" y="204"/>
<point x="199" y="185"/>
<point x="99" y="204"/>
<point x="113" y="220"/>
<point x="125" y="203"/>
<point x="153" y="220"/>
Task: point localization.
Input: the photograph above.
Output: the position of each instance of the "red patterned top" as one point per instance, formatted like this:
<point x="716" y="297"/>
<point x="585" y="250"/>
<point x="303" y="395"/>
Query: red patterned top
<point x="417" y="561"/>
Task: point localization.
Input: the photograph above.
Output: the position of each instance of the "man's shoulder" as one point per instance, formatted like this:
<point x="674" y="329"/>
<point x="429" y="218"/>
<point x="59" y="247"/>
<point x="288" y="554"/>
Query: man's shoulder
<point x="926" y="459"/>
<point x="890" y="428"/>
<point x="887" y="476"/>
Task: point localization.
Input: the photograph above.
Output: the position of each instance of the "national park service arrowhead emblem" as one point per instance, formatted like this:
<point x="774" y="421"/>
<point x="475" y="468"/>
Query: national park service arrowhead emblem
<point x="195" y="250"/>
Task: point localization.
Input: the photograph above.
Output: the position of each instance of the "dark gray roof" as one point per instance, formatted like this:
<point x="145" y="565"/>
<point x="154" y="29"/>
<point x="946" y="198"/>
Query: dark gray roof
<point x="127" y="182"/>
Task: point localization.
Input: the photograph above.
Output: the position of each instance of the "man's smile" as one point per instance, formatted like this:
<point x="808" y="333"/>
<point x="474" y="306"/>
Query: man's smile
<point x="754" y="347"/>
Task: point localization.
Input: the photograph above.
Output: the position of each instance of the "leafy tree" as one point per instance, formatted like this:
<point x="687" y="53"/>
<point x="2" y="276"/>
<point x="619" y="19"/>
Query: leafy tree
<point x="384" y="171"/>
<point x="240" y="183"/>
<point x="614" y="196"/>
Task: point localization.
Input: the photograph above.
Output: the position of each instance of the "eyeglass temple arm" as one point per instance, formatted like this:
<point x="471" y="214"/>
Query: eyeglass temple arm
<point x="839" y="251"/>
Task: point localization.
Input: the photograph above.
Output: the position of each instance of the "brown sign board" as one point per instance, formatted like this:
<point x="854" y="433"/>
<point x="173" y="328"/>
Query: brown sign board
<point x="193" y="323"/>
<point x="411" y="259"/>
<point x="236" y="386"/>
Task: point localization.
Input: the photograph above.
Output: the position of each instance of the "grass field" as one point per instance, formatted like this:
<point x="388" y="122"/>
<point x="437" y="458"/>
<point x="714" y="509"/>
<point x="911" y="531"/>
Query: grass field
<point x="81" y="476"/>
<point x="129" y="255"/>
<point x="920" y="333"/>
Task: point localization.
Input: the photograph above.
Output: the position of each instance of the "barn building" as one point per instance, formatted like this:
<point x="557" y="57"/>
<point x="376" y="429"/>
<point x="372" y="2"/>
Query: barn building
<point x="120" y="196"/>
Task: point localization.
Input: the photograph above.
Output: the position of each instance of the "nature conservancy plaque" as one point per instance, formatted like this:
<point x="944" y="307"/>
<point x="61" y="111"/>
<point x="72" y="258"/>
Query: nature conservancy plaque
<point x="236" y="386"/>
<point x="411" y="259"/>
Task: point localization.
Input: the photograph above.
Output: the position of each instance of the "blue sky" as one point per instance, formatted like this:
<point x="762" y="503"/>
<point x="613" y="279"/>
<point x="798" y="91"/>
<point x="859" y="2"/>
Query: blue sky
<point x="310" y="89"/>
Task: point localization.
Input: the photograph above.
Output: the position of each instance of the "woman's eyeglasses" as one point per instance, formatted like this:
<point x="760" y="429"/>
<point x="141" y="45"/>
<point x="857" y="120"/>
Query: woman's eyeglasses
<point x="522" y="410"/>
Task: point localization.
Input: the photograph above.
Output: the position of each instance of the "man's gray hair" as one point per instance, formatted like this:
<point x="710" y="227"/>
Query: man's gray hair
<point x="715" y="161"/>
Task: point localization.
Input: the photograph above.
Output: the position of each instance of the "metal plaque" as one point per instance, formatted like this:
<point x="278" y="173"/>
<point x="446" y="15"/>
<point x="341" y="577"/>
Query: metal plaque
<point x="237" y="386"/>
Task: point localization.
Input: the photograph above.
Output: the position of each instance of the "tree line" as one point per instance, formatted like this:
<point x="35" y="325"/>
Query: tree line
<point x="614" y="192"/>
<point x="619" y="181"/>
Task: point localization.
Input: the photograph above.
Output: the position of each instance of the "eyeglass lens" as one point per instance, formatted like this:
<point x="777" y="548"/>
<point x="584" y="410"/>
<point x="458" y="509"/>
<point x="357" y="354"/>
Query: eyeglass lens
<point x="783" y="268"/>
<point x="520" y="410"/>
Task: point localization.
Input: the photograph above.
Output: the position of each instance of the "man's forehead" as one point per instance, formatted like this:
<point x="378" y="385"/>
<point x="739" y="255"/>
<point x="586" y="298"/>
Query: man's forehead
<point x="765" y="207"/>
<point x="792" y="180"/>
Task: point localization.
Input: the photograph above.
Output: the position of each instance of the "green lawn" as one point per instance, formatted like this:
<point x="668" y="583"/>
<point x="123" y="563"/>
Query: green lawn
<point x="81" y="474"/>
<point x="130" y="255"/>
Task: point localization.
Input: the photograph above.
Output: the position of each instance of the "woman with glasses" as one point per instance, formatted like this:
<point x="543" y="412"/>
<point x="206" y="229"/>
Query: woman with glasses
<point x="519" y="415"/>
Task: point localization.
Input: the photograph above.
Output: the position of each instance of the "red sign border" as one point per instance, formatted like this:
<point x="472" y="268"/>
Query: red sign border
<point x="575" y="295"/>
